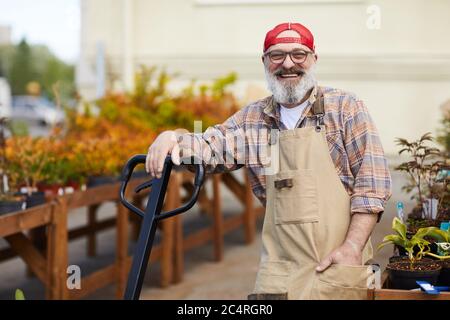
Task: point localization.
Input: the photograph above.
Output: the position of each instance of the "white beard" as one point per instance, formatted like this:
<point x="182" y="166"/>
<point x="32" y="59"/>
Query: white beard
<point x="290" y="93"/>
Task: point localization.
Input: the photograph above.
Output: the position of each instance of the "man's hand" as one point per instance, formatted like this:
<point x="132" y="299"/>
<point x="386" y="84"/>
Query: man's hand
<point x="348" y="253"/>
<point x="166" y="143"/>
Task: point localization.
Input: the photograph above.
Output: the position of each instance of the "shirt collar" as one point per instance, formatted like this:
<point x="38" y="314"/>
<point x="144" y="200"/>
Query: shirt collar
<point x="273" y="109"/>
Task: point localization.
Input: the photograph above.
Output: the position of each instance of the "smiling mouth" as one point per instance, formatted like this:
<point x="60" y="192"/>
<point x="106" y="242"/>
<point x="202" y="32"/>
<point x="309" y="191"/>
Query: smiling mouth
<point x="295" y="75"/>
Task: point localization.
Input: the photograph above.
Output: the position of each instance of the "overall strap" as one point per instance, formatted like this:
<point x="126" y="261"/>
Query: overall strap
<point x="319" y="109"/>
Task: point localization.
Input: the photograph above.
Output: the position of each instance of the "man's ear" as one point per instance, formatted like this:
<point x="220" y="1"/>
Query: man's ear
<point x="262" y="59"/>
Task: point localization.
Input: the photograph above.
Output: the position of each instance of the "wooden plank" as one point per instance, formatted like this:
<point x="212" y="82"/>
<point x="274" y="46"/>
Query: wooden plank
<point x="196" y="239"/>
<point x="32" y="257"/>
<point x="99" y="226"/>
<point x="391" y="294"/>
<point x="218" y="232"/>
<point x="206" y="234"/>
<point x="179" y="257"/>
<point x="122" y="226"/>
<point x="92" y="236"/>
<point x="58" y="241"/>
<point x="24" y="220"/>
<point x="94" y="281"/>
<point x="100" y="194"/>
<point x="234" y="186"/>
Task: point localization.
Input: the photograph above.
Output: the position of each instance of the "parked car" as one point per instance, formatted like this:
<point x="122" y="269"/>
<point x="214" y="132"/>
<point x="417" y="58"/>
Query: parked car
<point x="5" y="98"/>
<point x="36" y="110"/>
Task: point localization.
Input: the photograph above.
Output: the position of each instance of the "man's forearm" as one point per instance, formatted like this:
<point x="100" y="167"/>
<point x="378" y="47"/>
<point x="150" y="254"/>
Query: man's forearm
<point x="360" y="229"/>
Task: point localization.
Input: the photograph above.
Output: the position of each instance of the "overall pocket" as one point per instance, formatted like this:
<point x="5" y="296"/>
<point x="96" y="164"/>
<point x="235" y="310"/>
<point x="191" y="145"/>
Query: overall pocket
<point x="295" y="197"/>
<point x="273" y="279"/>
<point x="342" y="282"/>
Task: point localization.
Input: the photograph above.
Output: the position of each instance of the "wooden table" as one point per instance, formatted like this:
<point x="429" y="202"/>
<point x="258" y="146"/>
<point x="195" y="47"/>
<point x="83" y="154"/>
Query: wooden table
<point x="49" y="268"/>
<point x="386" y="293"/>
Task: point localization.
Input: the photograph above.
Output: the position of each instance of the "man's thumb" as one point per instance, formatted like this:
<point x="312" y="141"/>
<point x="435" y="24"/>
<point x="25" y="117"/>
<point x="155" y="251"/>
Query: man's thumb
<point x="324" y="264"/>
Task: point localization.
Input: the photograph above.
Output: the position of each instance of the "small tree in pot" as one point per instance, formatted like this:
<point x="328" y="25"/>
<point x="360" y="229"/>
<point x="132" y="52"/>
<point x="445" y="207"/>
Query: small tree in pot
<point x="9" y="202"/>
<point x="427" y="170"/>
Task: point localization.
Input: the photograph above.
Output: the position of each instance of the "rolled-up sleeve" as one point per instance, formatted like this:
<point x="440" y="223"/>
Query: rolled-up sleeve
<point x="221" y="148"/>
<point x="368" y="164"/>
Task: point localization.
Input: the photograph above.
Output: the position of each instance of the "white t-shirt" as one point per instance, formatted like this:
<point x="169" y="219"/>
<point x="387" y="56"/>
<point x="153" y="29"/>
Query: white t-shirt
<point x="290" y="116"/>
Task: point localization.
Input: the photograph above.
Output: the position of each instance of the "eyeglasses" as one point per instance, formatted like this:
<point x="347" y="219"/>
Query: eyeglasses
<point x="278" y="57"/>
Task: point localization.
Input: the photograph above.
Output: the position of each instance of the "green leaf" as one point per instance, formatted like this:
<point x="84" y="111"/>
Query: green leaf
<point x="399" y="227"/>
<point x="19" y="295"/>
<point x="440" y="235"/>
<point x="392" y="239"/>
<point x="423" y="232"/>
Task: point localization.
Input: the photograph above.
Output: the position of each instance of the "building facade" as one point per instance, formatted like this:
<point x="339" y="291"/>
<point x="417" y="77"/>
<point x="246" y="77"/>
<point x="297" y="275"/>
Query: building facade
<point x="395" y="55"/>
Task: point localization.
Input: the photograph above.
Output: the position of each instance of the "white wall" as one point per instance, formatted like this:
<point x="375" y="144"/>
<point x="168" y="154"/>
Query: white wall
<point x="402" y="70"/>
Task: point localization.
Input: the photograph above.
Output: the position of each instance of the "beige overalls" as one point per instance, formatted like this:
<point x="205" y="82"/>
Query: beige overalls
<point x="307" y="217"/>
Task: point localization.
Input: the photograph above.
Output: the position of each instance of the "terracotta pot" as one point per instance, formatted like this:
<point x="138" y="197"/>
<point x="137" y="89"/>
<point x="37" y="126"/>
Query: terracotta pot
<point x="50" y="190"/>
<point x="74" y="184"/>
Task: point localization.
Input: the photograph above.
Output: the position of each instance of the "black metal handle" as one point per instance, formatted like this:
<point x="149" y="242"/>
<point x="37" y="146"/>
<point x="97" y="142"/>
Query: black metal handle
<point x="126" y="175"/>
<point x="140" y="159"/>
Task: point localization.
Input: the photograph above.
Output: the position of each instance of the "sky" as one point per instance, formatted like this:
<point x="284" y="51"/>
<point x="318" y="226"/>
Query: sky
<point x="55" y="23"/>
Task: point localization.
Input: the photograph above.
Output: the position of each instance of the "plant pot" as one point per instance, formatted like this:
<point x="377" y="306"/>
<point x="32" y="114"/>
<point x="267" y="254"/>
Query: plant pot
<point x="35" y="199"/>
<point x="11" y="206"/>
<point x="49" y="189"/>
<point x="444" y="276"/>
<point x="97" y="181"/>
<point x="404" y="258"/>
<point x="74" y="184"/>
<point x="401" y="277"/>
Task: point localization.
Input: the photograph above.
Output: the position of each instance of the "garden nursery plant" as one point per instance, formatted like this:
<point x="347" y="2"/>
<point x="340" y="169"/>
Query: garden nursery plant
<point x="427" y="169"/>
<point x="404" y="272"/>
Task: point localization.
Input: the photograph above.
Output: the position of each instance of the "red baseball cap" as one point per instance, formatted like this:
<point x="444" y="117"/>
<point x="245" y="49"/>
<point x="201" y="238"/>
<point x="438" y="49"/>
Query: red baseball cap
<point x="306" y="37"/>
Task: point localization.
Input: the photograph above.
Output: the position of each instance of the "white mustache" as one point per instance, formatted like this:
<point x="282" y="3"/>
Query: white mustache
<point x="289" y="93"/>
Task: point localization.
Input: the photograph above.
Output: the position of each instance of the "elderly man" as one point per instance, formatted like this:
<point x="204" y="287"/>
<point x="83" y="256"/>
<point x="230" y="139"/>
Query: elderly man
<point x="328" y="179"/>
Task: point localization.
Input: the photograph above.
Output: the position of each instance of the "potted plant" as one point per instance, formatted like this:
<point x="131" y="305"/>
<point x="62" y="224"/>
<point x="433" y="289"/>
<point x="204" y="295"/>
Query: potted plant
<point x="27" y="158"/>
<point x="443" y="237"/>
<point x="9" y="202"/>
<point x="404" y="274"/>
<point x="427" y="171"/>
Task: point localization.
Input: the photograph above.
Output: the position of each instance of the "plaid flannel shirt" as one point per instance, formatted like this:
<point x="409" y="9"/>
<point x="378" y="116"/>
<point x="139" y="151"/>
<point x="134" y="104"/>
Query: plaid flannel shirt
<point x="352" y="139"/>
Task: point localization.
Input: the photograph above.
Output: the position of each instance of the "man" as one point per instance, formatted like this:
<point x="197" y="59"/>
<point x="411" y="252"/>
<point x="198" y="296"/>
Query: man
<point x="328" y="179"/>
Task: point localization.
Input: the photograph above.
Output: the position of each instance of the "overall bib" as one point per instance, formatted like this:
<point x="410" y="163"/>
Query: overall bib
<point x="307" y="217"/>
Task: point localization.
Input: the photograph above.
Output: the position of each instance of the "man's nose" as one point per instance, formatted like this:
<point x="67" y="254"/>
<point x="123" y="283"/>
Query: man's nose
<point x="288" y="63"/>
